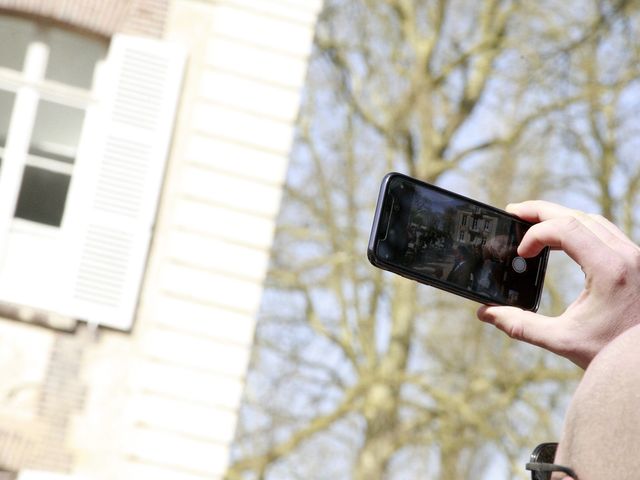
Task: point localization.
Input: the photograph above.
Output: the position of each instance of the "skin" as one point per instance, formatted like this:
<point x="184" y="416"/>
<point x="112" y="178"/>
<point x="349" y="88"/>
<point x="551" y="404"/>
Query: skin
<point x="599" y="331"/>
<point x="610" y="301"/>
<point x="600" y="434"/>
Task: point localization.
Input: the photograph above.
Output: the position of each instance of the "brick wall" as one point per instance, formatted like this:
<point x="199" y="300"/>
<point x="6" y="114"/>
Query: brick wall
<point x="39" y="441"/>
<point x="61" y="396"/>
<point x="103" y="17"/>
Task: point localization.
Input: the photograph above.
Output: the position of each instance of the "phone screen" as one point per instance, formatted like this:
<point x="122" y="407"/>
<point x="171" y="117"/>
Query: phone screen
<point x="452" y="242"/>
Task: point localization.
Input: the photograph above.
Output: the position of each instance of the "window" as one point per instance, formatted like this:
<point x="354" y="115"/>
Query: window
<point x="45" y="88"/>
<point x="16" y="33"/>
<point x="85" y="126"/>
<point x="49" y="165"/>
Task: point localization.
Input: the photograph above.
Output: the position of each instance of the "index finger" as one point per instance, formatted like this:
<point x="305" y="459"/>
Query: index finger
<point x="535" y="211"/>
<point x="568" y="234"/>
<point x="539" y="211"/>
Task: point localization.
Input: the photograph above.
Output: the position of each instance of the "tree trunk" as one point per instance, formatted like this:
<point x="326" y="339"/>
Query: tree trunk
<point x="381" y="402"/>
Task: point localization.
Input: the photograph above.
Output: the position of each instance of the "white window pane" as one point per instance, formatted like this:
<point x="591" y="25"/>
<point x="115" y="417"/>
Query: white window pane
<point x="56" y="132"/>
<point x="6" y="106"/>
<point x="15" y="35"/>
<point x="73" y="57"/>
<point x="43" y="195"/>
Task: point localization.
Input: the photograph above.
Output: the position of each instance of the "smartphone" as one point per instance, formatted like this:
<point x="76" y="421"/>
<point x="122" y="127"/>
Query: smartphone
<point x="445" y="240"/>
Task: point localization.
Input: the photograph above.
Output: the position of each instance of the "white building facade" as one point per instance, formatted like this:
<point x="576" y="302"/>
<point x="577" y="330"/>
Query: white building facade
<point x="143" y="148"/>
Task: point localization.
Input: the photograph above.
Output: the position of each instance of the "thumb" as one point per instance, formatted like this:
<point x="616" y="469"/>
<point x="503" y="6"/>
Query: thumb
<point x="523" y="325"/>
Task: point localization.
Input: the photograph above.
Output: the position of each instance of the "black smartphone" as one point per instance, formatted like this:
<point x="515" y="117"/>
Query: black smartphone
<point x="443" y="239"/>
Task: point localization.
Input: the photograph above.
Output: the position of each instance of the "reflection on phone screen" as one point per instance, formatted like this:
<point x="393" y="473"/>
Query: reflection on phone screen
<point x="457" y="242"/>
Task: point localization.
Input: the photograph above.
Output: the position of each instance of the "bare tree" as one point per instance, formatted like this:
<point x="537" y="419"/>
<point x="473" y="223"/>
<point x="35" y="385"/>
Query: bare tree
<point x="360" y="374"/>
<point x="600" y="133"/>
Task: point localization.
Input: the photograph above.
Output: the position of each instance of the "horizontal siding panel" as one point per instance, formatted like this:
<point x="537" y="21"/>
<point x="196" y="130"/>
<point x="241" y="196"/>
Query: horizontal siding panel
<point x="237" y="193"/>
<point x="261" y="132"/>
<point x="216" y="255"/>
<point x="198" y="353"/>
<point x="27" y="474"/>
<point x="236" y="158"/>
<point x="250" y="95"/>
<point x="215" y="390"/>
<point x="254" y="62"/>
<point x="207" y="423"/>
<point x="142" y="471"/>
<point x="293" y="10"/>
<point x="224" y="223"/>
<point x="210" y="287"/>
<point x="177" y="451"/>
<point x="270" y="31"/>
<point x="204" y="320"/>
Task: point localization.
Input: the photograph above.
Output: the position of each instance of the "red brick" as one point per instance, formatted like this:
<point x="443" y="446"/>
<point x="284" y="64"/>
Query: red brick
<point x="105" y="18"/>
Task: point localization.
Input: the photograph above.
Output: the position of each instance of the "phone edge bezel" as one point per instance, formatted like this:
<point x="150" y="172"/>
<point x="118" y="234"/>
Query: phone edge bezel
<point x="379" y="263"/>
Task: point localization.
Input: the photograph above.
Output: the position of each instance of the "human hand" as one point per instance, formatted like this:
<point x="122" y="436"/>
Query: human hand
<point x="610" y="301"/>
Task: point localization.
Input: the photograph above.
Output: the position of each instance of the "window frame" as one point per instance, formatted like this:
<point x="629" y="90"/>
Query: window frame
<point x="130" y="121"/>
<point x="31" y="87"/>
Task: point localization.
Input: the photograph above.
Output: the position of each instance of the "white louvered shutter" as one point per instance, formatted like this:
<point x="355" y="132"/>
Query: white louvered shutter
<point x="118" y="175"/>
